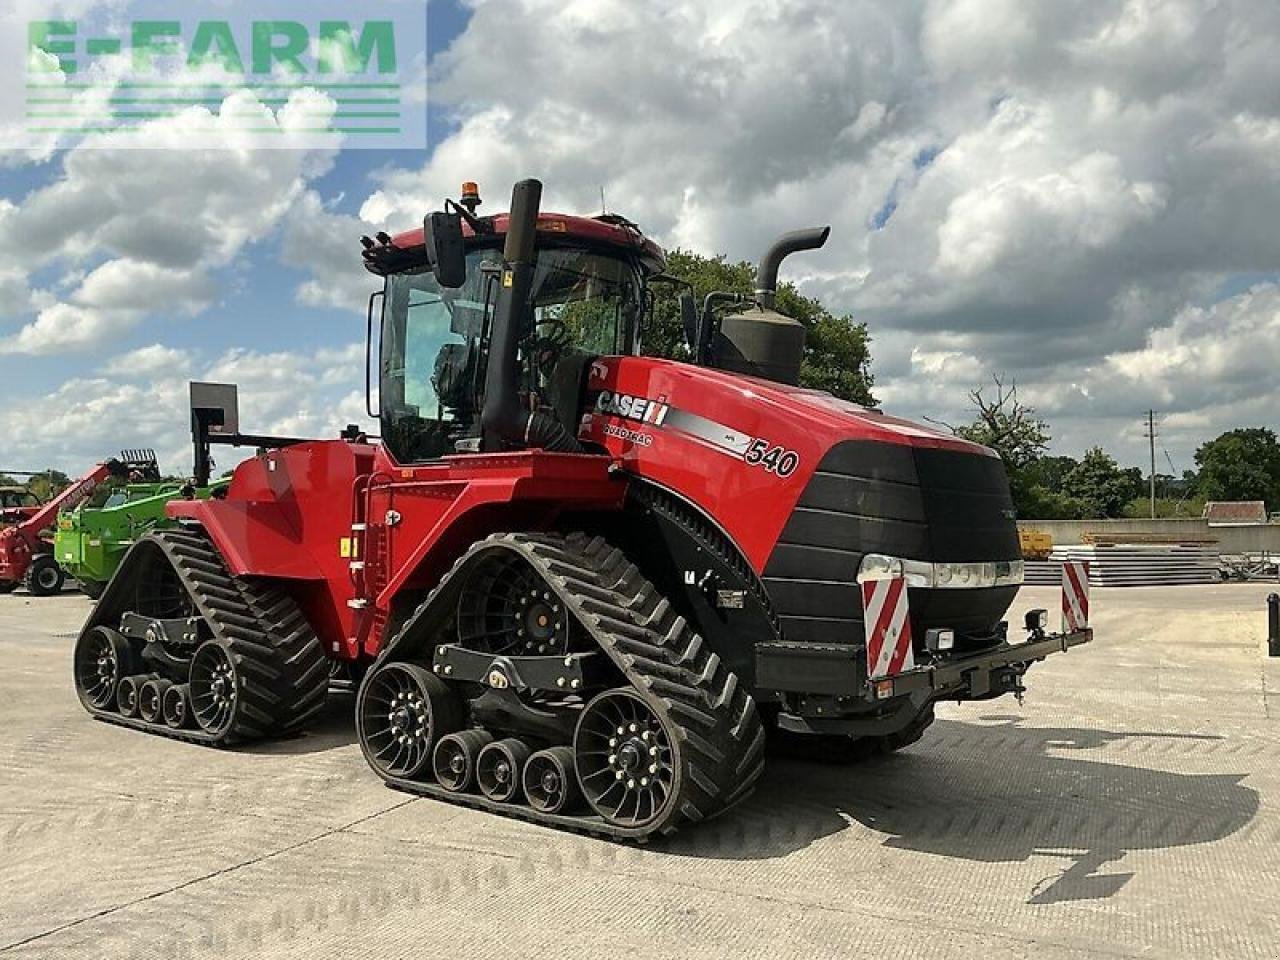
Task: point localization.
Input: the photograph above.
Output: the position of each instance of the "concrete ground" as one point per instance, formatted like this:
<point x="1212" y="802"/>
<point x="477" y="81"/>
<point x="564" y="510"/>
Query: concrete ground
<point x="1130" y="808"/>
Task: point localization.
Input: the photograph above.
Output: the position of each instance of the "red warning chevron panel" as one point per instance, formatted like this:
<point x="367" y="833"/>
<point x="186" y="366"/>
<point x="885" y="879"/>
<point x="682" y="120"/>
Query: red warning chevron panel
<point x="888" y="628"/>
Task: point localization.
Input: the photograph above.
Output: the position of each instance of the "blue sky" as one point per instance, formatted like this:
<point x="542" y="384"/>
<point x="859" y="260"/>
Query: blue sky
<point x="257" y="305"/>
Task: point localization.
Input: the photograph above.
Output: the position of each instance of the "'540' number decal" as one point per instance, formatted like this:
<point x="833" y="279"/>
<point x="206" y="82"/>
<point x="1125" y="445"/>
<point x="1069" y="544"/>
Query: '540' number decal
<point x="774" y="459"/>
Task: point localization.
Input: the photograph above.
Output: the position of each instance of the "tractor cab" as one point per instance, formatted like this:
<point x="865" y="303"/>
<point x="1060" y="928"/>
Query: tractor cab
<point x="586" y="298"/>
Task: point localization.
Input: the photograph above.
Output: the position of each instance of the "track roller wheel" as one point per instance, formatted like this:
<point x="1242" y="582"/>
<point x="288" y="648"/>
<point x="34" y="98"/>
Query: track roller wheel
<point x="627" y="761"/>
<point x="129" y="693"/>
<point x="401" y="711"/>
<point x="215" y="684"/>
<point x="44" y="576"/>
<point x="454" y="759"/>
<point x="151" y="698"/>
<point x="498" y="768"/>
<point x="550" y="784"/>
<point x="175" y="706"/>
<point x="102" y="657"/>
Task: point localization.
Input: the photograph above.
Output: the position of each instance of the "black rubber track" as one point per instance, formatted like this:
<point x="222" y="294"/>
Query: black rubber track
<point x="283" y="665"/>
<point x="714" y="719"/>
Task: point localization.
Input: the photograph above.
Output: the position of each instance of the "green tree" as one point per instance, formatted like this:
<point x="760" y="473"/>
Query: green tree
<point x="1240" y="465"/>
<point x="1013" y="430"/>
<point x="837" y="355"/>
<point x="49" y="483"/>
<point x="1098" y="482"/>
<point x="1049" y="472"/>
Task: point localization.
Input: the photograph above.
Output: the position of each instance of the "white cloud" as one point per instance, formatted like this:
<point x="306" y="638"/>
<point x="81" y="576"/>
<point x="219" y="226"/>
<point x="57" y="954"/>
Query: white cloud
<point x="148" y="362"/>
<point x="150" y="228"/>
<point x="1018" y="188"/>
<point x="140" y="400"/>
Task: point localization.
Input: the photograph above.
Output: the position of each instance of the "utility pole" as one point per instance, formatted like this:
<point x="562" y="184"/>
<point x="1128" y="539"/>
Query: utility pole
<point x="1151" y="436"/>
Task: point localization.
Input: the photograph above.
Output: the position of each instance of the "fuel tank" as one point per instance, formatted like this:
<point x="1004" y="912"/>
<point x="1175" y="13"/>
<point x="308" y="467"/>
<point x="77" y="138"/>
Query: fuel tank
<point x="814" y="490"/>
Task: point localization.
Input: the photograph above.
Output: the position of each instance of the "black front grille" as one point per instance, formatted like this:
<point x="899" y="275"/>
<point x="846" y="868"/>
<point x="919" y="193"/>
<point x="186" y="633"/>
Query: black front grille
<point x="912" y="502"/>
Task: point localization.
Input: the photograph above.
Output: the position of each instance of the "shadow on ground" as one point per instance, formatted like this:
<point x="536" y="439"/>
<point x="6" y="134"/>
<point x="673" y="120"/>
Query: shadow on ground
<point x="335" y="728"/>
<point x="992" y="793"/>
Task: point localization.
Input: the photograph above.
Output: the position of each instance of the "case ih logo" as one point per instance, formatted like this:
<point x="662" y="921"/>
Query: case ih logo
<point x="632" y="408"/>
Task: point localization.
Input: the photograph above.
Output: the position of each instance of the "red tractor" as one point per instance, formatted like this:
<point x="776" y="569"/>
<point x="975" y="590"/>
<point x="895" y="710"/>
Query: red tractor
<point x="26" y="547"/>
<point x="580" y="583"/>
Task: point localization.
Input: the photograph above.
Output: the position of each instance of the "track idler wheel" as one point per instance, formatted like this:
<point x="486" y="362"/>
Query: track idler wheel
<point x="627" y="761"/>
<point x="102" y="657"/>
<point x="215" y="687"/>
<point x="550" y="784"/>
<point x="129" y="693"/>
<point x="498" y="768"/>
<point x="151" y="699"/>
<point x="401" y="711"/>
<point x="454" y="759"/>
<point x="175" y="706"/>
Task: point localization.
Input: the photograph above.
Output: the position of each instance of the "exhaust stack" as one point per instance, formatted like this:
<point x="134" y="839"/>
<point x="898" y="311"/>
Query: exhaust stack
<point x="760" y="342"/>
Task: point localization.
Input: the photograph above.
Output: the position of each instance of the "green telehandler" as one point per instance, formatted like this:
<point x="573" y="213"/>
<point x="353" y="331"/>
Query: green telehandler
<point x="91" y="540"/>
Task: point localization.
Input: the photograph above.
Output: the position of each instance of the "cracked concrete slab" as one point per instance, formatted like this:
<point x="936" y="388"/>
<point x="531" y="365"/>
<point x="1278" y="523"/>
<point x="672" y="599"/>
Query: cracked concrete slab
<point x="1129" y="808"/>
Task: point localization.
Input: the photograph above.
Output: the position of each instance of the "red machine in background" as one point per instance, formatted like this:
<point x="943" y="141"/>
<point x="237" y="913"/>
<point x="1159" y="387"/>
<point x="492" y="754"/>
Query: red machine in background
<point x="17" y="503"/>
<point x="581" y="583"/>
<point x="26" y="547"/>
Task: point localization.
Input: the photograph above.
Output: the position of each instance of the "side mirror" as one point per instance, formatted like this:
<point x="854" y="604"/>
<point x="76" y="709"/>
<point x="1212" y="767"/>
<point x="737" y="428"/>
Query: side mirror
<point x="442" y="233"/>
<point x="689" y="320"/>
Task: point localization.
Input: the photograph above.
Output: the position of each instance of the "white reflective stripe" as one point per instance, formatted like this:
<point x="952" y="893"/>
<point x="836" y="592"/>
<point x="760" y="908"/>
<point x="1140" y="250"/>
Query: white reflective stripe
<point x="879" y="591"/>
<point x="1075" y="578"/>
<point x="892" y="635"/>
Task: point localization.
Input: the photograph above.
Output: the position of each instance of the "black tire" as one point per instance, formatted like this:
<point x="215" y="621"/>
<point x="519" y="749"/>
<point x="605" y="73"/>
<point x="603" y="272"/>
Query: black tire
<point x="151" y="699"/>
<point x="499" y="767"/>
<point x="402" y="711"/>
<point x="128" y="693"/>
<point x="44" y="576"/>
<point x="454" y="758"/>
<point x="550" y="784"/>
<point x="176" y="706"/>
<point x="101" y="658"/>
<point x="92" y="588"/>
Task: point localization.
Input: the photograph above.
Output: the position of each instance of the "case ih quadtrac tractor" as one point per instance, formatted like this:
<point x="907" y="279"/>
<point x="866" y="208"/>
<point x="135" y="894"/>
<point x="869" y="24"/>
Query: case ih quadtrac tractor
<point x="584" y="581"/>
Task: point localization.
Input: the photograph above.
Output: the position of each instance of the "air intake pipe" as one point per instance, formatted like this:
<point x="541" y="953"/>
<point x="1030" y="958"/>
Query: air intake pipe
<point x="503" y="420"/>
<point x="761" y="342"/>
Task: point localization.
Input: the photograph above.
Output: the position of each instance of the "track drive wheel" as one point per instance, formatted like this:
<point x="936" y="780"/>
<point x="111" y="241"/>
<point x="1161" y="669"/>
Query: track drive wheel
<point x="628" y="762"/>
<point x="401" y="711"/>
<point x="102" y="657"/>
<point x="44" y="576"/>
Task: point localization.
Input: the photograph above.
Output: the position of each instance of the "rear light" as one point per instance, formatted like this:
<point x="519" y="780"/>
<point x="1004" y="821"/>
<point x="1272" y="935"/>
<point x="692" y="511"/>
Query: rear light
<point x="883" y="689"/>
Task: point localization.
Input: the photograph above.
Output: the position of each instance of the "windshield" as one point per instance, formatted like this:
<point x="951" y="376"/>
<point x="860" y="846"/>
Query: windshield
<point x="584" y="305"/>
